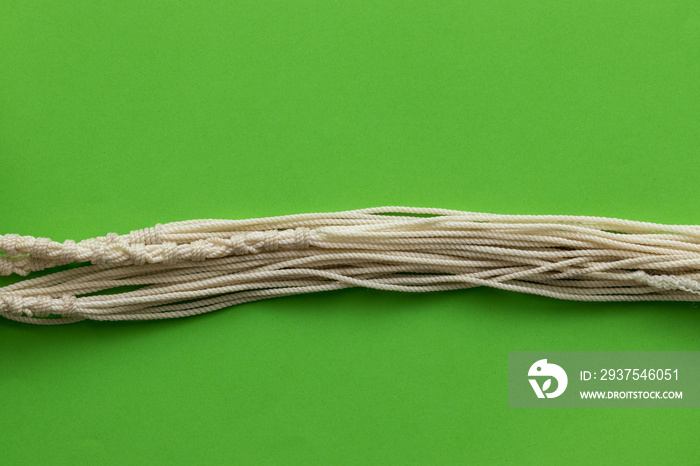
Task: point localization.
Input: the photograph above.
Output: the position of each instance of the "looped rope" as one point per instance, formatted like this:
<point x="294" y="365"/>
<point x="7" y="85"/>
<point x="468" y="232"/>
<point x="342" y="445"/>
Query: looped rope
<point x="67" y="305"/>
<point x="147" y="235"/>
<point x="11" y="304"/>
<point x="139" y="248"/>
<point x="271" y="240"/>
<point x="37" y="306"/>
<point x="187" y="268"/>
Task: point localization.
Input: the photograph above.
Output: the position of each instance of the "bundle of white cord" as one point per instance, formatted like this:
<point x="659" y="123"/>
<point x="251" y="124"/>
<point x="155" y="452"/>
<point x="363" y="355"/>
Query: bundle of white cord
<point x="187" y="268"/>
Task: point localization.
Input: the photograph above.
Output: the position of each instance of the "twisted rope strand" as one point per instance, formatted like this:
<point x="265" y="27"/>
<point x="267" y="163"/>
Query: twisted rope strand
<point x="197" y="266"/>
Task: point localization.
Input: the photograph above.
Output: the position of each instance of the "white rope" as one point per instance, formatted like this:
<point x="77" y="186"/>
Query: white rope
<point x="186" y="268"/>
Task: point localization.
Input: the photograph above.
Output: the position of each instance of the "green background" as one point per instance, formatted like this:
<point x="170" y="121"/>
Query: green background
<point x="118" y="115"/>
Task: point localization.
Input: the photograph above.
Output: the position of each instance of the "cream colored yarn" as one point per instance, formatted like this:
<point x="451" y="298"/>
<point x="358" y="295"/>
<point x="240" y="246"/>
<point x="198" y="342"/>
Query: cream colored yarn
<point x="198" y="266"/>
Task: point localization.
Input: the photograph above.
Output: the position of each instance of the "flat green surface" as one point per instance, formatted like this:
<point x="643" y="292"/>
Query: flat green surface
<point x="118" y="115"/>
